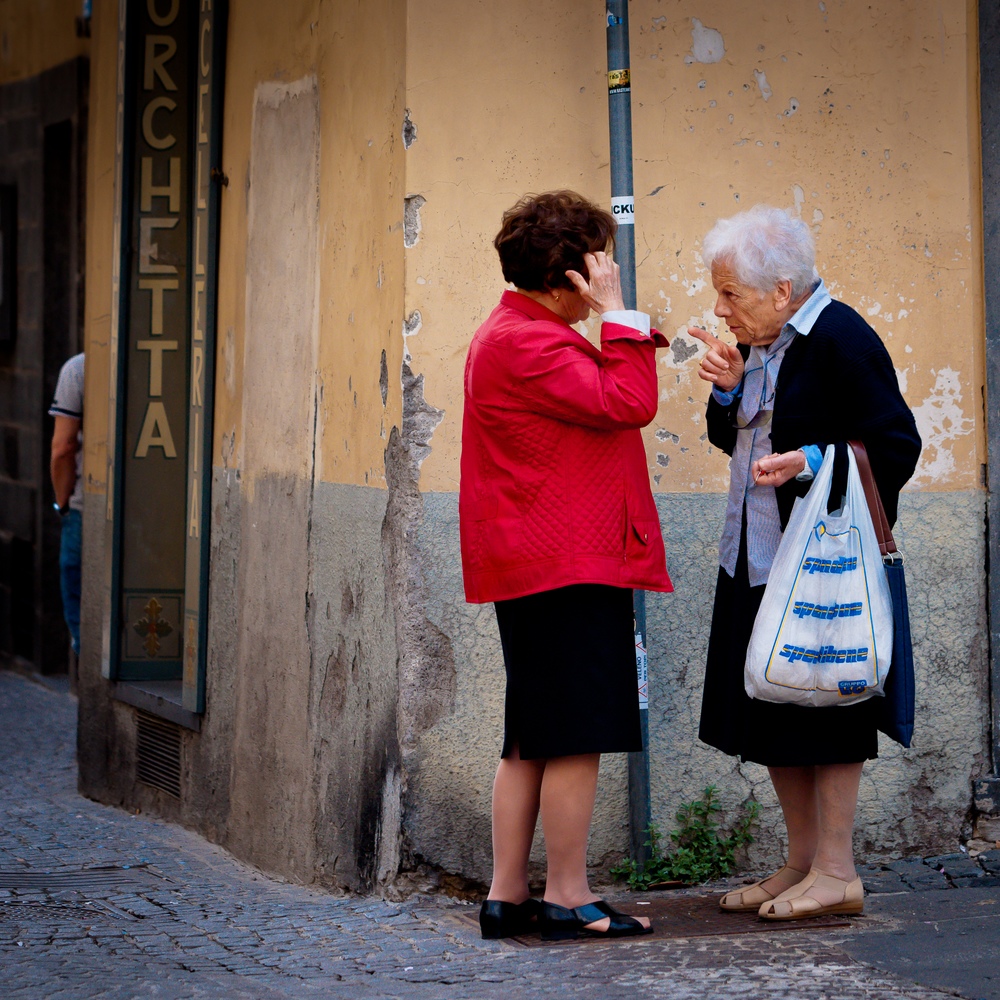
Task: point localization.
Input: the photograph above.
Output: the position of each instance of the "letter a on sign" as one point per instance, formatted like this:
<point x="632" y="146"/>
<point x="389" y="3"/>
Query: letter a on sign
<point x="156" y="432"/>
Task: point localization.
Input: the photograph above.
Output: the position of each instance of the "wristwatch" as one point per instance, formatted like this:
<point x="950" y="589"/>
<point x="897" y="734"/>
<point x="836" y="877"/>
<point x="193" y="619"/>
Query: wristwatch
<point x="61" y="511"/>
<point x="806" y="474"/>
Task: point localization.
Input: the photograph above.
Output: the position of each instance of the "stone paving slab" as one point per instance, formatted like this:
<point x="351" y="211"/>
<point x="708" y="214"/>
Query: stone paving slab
<point x="207" y="926"/>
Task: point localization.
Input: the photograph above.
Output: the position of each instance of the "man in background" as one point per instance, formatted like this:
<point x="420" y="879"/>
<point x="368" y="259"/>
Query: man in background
<point x="66" y="469"/>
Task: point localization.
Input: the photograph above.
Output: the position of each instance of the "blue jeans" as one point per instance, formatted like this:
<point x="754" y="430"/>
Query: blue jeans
<point x="70" y="559"/>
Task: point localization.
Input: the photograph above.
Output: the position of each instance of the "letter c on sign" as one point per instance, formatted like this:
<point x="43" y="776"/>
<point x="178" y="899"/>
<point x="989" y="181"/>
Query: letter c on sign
<point x="148" y="134"/>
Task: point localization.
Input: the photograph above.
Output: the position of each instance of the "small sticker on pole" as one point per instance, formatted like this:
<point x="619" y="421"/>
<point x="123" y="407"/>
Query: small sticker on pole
<point x="623" y="209"/>
<point x="642" y="671"/>
<point x="619" y="81"/>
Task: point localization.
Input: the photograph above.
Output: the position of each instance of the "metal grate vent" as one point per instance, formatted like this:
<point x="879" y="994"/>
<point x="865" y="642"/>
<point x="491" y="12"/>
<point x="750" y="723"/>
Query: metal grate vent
<point x="79" y="879"/>
<point x="158" y="753"/>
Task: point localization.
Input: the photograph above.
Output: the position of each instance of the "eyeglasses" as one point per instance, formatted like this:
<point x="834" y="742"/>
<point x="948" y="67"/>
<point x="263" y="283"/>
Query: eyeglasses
<point x="763" y="415"/>
<point x="760" y="419"/>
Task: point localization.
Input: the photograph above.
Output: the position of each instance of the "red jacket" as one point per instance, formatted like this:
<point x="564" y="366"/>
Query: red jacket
<point x="555" y="489"/>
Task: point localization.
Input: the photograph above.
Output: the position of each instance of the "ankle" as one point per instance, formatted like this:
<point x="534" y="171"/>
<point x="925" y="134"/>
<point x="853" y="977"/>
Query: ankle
<point x="570" y="899"/>
<point x="800" y="862"/>
<point x="509" y="892"/>
<point x="843" y="871"/>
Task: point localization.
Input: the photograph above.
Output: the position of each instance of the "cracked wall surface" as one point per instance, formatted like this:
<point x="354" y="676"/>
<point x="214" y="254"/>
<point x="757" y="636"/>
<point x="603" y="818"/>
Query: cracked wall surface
<point x="354" y="699"/>
<point x="911" y="801"/>
<point x="839" y="112"/>
<point x="860" y="118"/>
<point x="296" y="766"/>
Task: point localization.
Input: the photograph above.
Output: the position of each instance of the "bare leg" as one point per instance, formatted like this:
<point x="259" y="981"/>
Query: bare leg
<point x="567" y="805"/>
<point x="837" y="797"/>
<point x="516" y="791"/>
<point x="796" y="791"/>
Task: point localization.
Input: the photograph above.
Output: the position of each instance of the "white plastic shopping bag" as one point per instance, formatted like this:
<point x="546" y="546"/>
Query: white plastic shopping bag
<point x="823" y="634"/>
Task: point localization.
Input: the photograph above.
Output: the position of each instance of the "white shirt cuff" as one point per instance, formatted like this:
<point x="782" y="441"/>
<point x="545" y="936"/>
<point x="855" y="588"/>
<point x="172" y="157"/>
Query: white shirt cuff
<point x="628" y="317"/>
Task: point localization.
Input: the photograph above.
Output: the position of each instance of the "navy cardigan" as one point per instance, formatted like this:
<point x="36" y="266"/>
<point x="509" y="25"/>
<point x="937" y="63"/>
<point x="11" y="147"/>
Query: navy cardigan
<point x="835" y="384"/>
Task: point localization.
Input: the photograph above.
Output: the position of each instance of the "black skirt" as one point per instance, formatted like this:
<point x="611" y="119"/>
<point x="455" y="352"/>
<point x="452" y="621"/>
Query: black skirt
<point x="571" y="679"/>
<point x="778" y="735"/>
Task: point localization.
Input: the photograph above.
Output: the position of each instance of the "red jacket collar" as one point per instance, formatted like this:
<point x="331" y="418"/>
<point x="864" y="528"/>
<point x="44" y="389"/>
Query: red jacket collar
<point x="535" y="310"/>
<point x="530" y="308"/>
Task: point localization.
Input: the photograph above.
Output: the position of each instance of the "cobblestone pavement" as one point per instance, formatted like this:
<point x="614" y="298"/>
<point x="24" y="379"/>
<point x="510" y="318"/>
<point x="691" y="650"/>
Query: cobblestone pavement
<point x="98" y="903"/>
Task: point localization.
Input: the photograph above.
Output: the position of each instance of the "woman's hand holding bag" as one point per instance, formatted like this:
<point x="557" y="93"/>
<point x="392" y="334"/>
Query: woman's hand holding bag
<point x="823" y="634"/>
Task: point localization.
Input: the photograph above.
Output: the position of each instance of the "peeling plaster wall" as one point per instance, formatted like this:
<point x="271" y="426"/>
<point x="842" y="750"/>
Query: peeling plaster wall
<point x="297" y="767"/>
<point x="911" y="801"/>
<point x="859" y="117"/>
<point x="354" y="699"/>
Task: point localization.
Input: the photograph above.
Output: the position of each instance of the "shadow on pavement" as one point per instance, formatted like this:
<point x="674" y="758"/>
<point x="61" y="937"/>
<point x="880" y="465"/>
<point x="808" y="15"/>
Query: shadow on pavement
<point x="948" y="939"/>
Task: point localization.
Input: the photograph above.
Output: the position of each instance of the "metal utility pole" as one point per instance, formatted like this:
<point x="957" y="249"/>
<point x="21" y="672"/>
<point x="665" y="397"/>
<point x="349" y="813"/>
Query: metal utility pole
<point x="623" y="209"/>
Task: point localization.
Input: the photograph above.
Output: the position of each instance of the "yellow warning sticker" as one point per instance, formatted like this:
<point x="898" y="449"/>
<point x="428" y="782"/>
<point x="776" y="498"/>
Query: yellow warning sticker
<point x="618" y="81"/>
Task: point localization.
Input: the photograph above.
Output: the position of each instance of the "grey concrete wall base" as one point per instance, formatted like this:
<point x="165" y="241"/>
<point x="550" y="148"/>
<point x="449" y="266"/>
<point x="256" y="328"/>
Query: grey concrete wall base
<point x="354" y="690"/>
<point x="296" y="767"/>
<point x="916" y="800"/>
<point x="104" y="753"/>
<point x="452" y="765"/>
<point x="986" y="803"/>
<point x="329" y="603"/>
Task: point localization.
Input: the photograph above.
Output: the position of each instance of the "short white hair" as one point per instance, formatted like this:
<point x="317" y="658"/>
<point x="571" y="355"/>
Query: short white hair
<point x="763" y="246"/>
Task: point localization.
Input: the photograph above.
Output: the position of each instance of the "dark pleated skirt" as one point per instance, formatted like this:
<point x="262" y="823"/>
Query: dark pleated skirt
<point x="778" y="735"/>
<point x="571" y="679"/>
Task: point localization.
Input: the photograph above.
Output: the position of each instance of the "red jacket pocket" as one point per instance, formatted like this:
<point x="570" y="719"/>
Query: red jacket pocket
<point x="645" y="530"/>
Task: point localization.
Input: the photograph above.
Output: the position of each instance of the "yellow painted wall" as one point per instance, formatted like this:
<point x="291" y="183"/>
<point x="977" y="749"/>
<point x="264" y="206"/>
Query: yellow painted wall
<point x="360" y="244"/>
<point x="869" y="129"/>
<point x="360" y="220"/>
<point x="266" y="43"/>
<point x="361" y="238"/>
<point x="862" y="117"/>
<point x="36" y="35"/>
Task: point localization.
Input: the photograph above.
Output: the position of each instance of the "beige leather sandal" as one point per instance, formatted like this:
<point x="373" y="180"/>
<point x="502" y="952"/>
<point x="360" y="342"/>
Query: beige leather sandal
<point x="796" y="903"/>
<point x="753" y="896"/>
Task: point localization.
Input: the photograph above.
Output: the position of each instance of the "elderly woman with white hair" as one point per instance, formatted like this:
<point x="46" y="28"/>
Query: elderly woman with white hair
<point x="806" y="371"/>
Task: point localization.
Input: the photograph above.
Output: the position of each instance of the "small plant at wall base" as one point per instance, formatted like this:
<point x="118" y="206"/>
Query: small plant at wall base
<point x="700" y="852"/>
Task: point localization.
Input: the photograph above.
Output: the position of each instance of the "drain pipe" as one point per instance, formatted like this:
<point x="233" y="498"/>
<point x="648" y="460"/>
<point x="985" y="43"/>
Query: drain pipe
<point x="623" y="209"/>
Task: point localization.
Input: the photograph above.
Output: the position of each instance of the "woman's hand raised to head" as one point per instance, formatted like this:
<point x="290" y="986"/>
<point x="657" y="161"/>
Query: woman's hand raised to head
<point x="603" y="291"/>
<point x="722" y="365"/>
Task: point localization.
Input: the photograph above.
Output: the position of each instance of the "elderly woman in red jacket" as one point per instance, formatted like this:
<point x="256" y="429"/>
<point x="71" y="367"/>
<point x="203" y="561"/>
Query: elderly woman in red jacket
<point x="558" y="525"/>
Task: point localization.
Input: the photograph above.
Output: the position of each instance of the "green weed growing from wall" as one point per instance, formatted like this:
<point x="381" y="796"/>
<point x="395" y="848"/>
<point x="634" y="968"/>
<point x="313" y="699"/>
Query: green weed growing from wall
<point x="699" y="850"/>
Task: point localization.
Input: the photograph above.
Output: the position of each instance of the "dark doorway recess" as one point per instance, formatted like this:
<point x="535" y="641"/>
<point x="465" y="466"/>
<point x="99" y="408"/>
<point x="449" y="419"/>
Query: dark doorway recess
<point x="59" y="343"/>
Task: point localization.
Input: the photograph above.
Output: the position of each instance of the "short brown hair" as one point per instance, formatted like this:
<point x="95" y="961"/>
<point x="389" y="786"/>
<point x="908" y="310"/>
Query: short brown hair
<point x="544" y="235"/>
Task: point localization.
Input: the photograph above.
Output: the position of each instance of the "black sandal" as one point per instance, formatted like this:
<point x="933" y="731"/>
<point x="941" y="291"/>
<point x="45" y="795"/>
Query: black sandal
<point x="561" y="924"/>
<point x="498" y="919"/>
